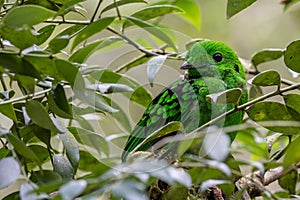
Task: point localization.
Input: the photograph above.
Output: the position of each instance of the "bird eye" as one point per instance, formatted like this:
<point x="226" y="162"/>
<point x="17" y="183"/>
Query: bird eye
<point x="218" y="57"/>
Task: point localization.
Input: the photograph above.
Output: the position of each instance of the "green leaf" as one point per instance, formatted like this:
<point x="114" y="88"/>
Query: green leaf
<point x="191" y="10"/>
<point x="289" y="181"/>
<point x="41" y="152"/>
<point x="8" y="111"/>
<point x="67" y="6"/>
<point x="91" y="139"/>
<point x="231" y="96"/>
<point x="58" y="43"/>
<point x="266" y="78"/>
<point x="235" y="6"/>
<point x="108" y="88"/>
<point x="82" y="54"/>
<point x="164" y="131"/>
<point x="34" y="15"/>
<point x="292" y="57"/>
<point x="153" y="66"/>
<point x="22" y="149"/>
<point x="71" y="74"/>
<point x="58" y="102"/>
<point x="45" y="177"/>
<point x="44" y="34"/>
<point x="63" y="167"/>
<point x="26" y="83"/>
<point x="92" y="29"/>
<point x="4" y="153"/>
<point x="94" y="100"/>
<point x="154" y="30"/>
<point x="72" y="149"/>
<point x="40" y="116"/>
<point x="67" y="191"/>
<point x="292" y="155"/>
<point x="140" y="94"/>
<point x="150" y="12"/>
<point x="9" y="171"/>
<point x="120" y="3"/>
<point x="255" y="92"/>
<point x="44" y="64"/>
<point x="136" y="62"/>
<point x="275" y="116"/>
<point x="266" y="55"/>
<point x="43" y="134"/>
<point x="15" y="64"/>
<point x="292" y="101"/>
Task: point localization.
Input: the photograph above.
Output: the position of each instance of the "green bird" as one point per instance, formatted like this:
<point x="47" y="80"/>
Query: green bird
<point x="211" y="67"/>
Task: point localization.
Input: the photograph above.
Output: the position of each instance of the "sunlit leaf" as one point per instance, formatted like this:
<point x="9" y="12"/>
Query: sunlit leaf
<point x="191" y="12"/>
<point x="9" y="171"/>
<point x="153" y="66"/>
<point x="292" y="57"/>
<point x="129" y="189"/>
<point x="67" y="5"/>
<point x="255" y="91"/>
<point x="235" y="6"/>
<point x="292" y="155"/>
<point x="266" y="78"/>
<point x="154" y="30"/>
<point x="91" y="29"/>
<point x="216" y="144"/>
<point x="211" y="182"/>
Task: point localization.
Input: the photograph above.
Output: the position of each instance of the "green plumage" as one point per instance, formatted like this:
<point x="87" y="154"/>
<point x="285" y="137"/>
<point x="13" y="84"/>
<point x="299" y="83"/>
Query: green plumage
<point x="211" y="67"/>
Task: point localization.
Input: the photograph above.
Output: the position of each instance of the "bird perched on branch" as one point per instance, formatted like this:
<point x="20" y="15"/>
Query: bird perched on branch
<point x="211" y="67"/>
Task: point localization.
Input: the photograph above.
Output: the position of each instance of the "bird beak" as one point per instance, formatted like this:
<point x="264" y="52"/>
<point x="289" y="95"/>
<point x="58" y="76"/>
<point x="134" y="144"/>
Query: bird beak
<point x="186" y="65"/>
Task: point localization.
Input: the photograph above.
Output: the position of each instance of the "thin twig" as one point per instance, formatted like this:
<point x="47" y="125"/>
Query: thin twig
<point x="249" y="103"/>
<point x="96" y="11"/>
<point x="26" y="97"/>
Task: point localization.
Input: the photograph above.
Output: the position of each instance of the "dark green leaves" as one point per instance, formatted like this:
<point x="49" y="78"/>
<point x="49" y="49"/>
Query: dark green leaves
<point x="235" y="6"/>
<point x="266" y="55"/>
<point x="266" y="78"/>
<point x="275" y="116"/>
<point x="39" y="116"/>
<point x="292" y="57"/>
<point x="34" y="15"/>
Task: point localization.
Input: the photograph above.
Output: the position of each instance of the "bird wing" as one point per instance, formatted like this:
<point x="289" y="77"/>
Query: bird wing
<point x="175" y="103"/>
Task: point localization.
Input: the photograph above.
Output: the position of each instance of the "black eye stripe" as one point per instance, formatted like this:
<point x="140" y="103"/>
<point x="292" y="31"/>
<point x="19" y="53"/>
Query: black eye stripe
<point x="218" y="57"/>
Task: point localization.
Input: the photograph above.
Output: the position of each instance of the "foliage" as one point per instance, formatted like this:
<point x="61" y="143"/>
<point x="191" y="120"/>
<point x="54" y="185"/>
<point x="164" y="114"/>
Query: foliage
<point x="49" y="89"/>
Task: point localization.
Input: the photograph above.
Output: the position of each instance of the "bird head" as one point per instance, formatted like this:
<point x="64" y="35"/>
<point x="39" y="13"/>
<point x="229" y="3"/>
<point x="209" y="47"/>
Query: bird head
<point x="209" y="57"/>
